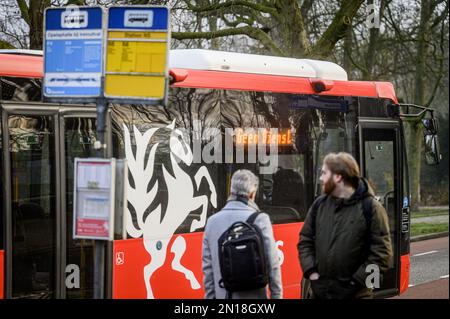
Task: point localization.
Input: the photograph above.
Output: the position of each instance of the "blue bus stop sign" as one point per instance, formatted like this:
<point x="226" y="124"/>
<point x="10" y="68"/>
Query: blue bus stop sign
<point x="73" y="52"/>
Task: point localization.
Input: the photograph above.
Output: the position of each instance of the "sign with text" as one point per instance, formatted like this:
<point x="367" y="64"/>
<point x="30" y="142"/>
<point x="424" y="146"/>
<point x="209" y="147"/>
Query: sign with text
<point x="94" y="191"/>
<point x="137" y="53"/>
<point x="73" y="52"/>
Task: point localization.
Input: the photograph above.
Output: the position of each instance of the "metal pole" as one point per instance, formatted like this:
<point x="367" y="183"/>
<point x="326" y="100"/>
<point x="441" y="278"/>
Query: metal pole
<point x="99" y="266"/>
<point x="99" y="245"/>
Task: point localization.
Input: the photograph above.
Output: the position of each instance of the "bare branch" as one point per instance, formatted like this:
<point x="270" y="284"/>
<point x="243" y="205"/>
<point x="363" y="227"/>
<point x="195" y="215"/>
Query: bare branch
<point x="336" y="30"/>
<point x="441" y="68"/>
<point x="254" y="33"/>
<point x="231" y="3"/>
<point x="6" y="45"/>
<point x="24" y="10"/>
<point x="441" y="17"/>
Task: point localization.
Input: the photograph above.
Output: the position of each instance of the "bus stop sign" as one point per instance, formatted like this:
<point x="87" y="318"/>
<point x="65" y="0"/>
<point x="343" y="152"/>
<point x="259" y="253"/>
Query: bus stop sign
<point x="73" y="51"/>
<point x="137" y="53"/>
<point x="94" y="191"/>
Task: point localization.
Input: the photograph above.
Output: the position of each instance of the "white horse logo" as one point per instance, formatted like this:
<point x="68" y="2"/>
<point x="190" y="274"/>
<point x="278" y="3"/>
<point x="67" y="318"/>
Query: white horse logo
<point x="181" y="201"/>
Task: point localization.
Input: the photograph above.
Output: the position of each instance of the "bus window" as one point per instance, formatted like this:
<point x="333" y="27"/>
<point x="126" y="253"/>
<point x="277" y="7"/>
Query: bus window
<point x="282" y="194"/>
<point x="31" y="151"/>
<point x="20" y="89"/>
<point x="332" y="133"/>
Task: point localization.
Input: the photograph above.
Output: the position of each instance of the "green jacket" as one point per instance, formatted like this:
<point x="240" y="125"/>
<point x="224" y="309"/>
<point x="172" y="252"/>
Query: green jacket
<point x="336" y="245"/>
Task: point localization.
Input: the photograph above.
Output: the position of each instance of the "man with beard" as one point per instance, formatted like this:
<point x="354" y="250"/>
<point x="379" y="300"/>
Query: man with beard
<point x="345" y="231"/>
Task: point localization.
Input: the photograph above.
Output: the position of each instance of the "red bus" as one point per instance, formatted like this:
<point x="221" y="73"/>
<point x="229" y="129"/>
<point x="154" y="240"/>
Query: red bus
<point x="170" y="193"/>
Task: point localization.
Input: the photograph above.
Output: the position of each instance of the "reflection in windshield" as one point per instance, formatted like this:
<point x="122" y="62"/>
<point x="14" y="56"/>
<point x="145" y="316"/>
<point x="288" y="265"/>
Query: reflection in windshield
<point x="316" y="126"/>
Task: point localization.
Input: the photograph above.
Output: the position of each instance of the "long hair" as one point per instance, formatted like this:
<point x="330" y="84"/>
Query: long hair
<point x="345" y="165"/>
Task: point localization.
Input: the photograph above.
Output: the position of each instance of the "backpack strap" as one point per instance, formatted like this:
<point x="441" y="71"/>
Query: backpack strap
<point x="367" y="210"/>
<point x="319" y="200"/>
<point x="367" y="204"/>
<point x="314" y="208"/>
<point x="252" y="217"/>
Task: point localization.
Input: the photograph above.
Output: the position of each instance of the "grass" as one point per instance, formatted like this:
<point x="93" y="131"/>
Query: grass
<point x="427" y="228"/>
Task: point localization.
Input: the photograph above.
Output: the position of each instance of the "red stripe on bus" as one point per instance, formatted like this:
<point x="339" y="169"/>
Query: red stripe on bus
<point x="24" y="66"/>
<point x="404" y="273"/>
<point x="282" y="84"/>
<point x="32" y="67"/>
<point x="131" y="257"/>
<point x="2" y="273"/>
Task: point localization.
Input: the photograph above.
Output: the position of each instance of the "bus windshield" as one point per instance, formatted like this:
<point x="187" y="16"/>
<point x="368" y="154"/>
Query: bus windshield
<point x="307" y="128"/>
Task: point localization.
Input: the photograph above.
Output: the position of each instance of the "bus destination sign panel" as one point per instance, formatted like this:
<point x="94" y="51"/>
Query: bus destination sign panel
<point x="73" y="52"/>
<point x="137" y="53"/>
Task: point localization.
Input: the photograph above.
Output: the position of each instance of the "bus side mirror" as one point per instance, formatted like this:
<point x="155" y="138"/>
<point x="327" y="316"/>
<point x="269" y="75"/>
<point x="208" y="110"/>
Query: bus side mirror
<point x="432" y="154"/>
<point x="430" y="125"/>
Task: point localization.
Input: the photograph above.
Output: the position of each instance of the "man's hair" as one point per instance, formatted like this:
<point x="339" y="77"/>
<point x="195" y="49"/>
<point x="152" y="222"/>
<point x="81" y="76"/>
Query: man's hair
<point x="243" y="183"/>
<point x="345" y="165"/>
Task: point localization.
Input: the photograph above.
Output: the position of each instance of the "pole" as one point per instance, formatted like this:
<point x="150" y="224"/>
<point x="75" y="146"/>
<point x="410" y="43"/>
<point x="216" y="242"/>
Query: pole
<point x="99" y="245"/>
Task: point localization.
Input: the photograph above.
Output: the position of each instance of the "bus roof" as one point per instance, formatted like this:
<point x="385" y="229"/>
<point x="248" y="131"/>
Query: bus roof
<point x="21" y="52"/>
<point x="218" y="70"/>
<point x="209" y="60"/>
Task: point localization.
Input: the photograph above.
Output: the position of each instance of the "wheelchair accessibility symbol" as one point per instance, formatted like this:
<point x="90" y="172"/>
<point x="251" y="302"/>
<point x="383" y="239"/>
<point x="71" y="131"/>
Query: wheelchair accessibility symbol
<point x="120" y="260"/>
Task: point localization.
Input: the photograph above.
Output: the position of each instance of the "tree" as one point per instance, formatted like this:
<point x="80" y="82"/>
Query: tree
<point x="409" y="51"/>
<point x="278" y="25"/>
<point x="33" y="15"/>
<point x="424" y="93"/>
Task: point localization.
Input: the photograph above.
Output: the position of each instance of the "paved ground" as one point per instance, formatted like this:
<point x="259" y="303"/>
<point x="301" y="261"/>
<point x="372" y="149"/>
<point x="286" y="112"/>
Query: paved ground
<point x="429" y="270"/>
<point x="437" y="289"/>
<point x="429" y="260"/>
<point x="432" y="219"/>
<point x="432" y="207"/>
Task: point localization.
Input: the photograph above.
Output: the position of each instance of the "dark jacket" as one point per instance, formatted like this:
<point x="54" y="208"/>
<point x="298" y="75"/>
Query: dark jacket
<point x="337" y="248"/>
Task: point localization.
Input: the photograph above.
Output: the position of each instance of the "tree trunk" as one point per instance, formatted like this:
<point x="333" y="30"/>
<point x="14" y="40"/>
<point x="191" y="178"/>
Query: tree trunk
<point x="290" y="34"/>
<point x="367" y="73"/>
<point x="336" y="30"/>
<point x="36" y="14"/>
<point x="212" y="21"/>
<point x="415" y="136"/>
<point x="348" y="43"/>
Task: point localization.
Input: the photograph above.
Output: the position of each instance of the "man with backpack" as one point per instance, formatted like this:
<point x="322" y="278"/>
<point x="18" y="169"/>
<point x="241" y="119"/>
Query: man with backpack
<point x="240" y="258"/>
<point x="345" y="234"/>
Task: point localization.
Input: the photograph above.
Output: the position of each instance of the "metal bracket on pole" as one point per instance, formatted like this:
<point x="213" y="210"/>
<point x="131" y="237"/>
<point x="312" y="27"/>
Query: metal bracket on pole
<point x="423" y="111"/>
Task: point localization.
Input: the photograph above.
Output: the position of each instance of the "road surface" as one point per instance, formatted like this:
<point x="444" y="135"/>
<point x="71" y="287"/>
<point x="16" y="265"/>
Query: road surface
<point x="429" y="270"/>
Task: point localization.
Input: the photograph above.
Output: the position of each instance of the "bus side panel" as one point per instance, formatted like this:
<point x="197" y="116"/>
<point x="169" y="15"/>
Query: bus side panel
<point x="131" y="257"/>
<point x="404" y="273"/>
<point x="286" y="238"/>
<point x="2" y="272"/>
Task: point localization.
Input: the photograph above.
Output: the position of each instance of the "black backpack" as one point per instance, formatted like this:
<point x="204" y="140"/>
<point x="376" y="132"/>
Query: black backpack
<point x="242" y="257"/>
